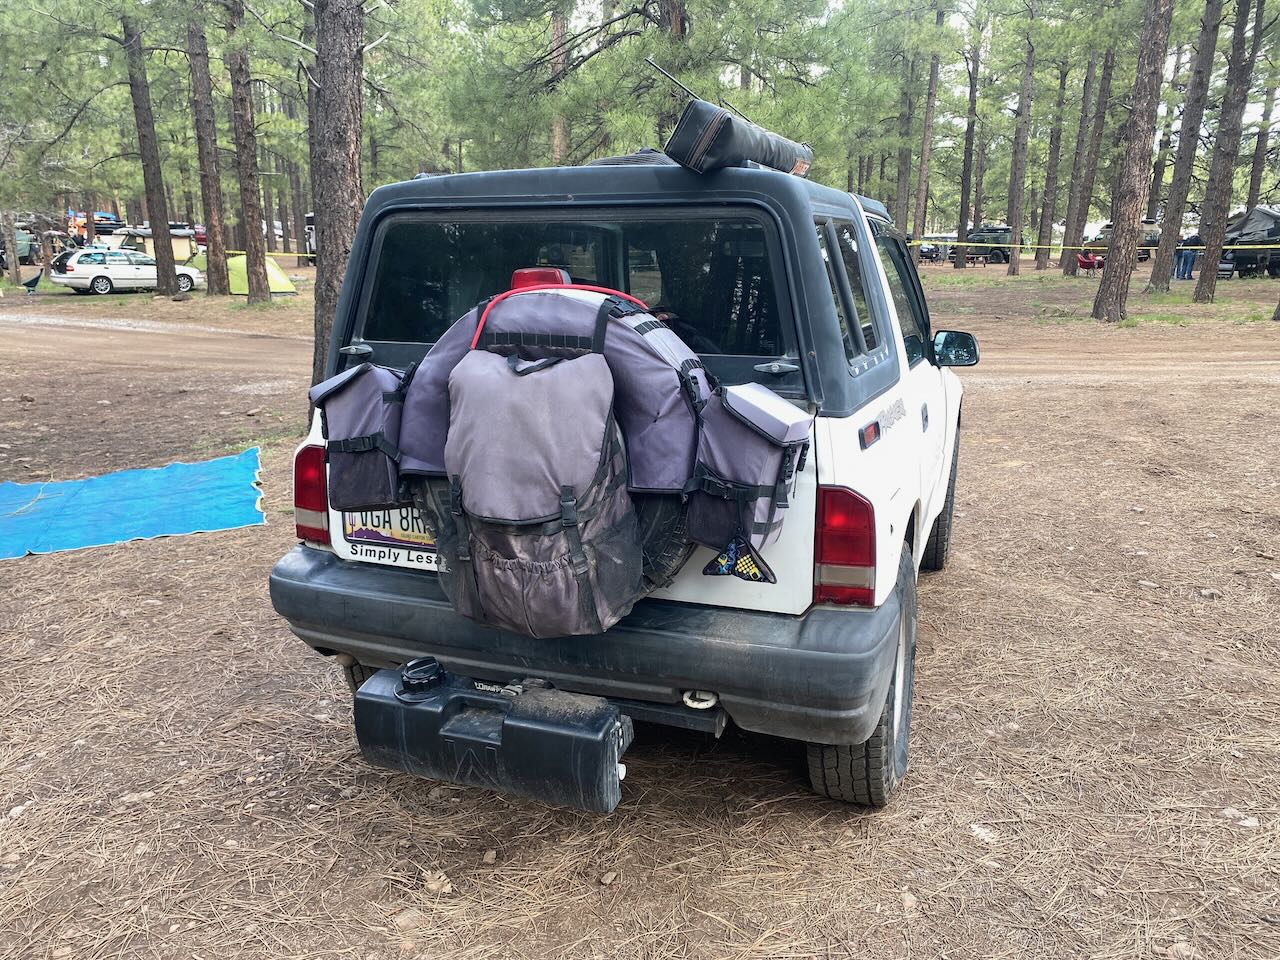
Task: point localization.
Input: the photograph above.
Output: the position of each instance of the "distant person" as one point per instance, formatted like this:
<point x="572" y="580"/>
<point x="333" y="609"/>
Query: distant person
<point x="1187" y="256"/>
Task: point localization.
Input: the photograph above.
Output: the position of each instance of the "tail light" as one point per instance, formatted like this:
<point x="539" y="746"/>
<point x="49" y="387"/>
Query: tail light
<point x="844" y="549"/>
<point x="310" y="495"/>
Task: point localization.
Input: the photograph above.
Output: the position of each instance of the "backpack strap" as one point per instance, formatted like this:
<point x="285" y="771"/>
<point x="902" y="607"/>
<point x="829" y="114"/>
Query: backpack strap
<point x="578" y="557"/>
<point x="706" y="482"/>
<point x="609" y="307"/>
<point x="374" y="441"/>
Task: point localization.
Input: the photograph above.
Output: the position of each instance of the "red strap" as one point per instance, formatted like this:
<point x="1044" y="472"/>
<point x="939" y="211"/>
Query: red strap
<point x="549" y="286"/>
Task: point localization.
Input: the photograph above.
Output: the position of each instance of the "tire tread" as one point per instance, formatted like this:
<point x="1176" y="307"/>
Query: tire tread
<point x="938" y="545"/>
<point x="860" y="773"/>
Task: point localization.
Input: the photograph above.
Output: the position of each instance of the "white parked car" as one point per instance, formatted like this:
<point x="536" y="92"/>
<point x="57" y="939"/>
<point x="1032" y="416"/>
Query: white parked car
<point x="105" y="271"/>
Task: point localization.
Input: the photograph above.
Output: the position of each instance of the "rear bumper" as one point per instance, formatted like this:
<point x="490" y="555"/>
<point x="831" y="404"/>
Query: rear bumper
<point x="820" y="677"/>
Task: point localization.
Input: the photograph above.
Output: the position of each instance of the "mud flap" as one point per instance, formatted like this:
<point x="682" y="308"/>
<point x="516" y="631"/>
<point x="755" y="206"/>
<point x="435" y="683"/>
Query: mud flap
<point x="522" y="738"/>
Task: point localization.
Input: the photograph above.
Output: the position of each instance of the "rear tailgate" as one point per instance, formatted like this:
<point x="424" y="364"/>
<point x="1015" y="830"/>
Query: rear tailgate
<point x="399" y="538"/>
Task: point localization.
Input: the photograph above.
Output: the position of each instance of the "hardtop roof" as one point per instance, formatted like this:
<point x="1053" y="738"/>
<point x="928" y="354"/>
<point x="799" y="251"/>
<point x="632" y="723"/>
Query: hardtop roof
<point x="605" y="184"/>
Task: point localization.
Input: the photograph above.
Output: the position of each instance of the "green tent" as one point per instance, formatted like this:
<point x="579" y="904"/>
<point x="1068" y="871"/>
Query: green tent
<point x="239" y="279"/>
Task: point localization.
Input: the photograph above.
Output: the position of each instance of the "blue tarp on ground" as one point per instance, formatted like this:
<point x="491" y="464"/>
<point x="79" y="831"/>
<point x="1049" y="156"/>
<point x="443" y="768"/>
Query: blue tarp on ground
<point x="130" y="505"/>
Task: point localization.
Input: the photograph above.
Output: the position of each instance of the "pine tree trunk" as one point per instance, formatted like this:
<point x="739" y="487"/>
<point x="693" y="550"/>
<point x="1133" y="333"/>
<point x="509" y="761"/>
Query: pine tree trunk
<point x="90" y="228"/>
<point x="313" y="124"/>
<point x="335" y="166"/>
<point x="902" y="187"/>
<point x="1226" y="146"/>
<point x="296" y="192"/>
<point x="1134" y="181"/>
<point x="926" y="139"/>
<point x="149" y="148"/>
<point x="1260" y="149"/>
<point x="1018" y="164"/>
<point x="1087" y="173"/>
<point x="206" y="129"/>
<point x="282" y="208"/>
<point x="1082" y="140"/>
<point x="9" y="228"/>
<point x="1115" y="164"/>
<point x="1050" y="209"/>
<point x="979" y="177"/>
<point x="268" y="201"/>
<point x="1166" y="143"/>
<point x="299" y="212"/>
<point x="246" y="157"/>
<point x="188" y="200"/>
<point x="966" y="170"/>
<point x="559" y="57"/>
<point x="1188" y="143"/>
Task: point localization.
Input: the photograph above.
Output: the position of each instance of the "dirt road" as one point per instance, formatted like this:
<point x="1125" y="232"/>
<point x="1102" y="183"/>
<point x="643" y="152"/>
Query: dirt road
<point x="1095" y="760"/>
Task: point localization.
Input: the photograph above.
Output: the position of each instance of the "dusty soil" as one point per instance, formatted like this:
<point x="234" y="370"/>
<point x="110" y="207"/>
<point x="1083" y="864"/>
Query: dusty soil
<point x="1095" y="760"/>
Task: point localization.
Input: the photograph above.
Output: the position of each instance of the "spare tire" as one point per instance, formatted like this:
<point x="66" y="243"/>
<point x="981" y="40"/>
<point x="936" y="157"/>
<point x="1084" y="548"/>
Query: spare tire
<point x="661" y="519"/>
<point x="664" y="536"/>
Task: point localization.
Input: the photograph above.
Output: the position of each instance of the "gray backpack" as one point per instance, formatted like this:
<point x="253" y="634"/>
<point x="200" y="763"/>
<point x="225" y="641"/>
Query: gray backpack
<point x="533" y="521"/>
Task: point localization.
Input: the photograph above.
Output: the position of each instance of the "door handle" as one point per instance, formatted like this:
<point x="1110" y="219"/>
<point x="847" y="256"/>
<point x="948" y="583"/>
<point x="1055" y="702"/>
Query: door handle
<point x="924" y="417"/>
<point x="776" y="367"/>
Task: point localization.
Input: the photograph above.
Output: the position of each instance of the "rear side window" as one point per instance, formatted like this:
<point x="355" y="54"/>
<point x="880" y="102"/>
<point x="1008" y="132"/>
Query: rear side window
<point x="850" y="345"/>
<point x="849" y="257"/>
<point x="911" y="317"/>
<point x="91" y="258"/>
<point x="711" y="278"/>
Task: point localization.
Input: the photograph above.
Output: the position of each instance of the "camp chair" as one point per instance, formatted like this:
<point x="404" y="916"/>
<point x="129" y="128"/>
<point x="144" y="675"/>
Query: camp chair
<point x="1088" y="262"/>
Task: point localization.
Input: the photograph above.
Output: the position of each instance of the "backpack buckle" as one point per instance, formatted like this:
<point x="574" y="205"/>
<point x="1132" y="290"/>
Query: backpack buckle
<point x="568" y="507"/>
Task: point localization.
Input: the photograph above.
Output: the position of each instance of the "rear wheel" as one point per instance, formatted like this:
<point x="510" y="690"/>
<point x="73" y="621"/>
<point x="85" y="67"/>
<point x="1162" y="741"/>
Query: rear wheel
<point x="939" y="544"/>
<point x="101" y="285"/>
<point x="870" y="773"/>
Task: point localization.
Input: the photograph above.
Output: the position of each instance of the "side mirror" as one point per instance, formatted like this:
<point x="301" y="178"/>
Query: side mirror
<point x="952" y="348"/>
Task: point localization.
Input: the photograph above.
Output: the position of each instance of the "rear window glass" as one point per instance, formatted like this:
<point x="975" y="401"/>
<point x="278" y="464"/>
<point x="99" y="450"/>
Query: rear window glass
<point x="849" y="253"/>
<point x="91" y="258"/>
<point x="709" y="277"/>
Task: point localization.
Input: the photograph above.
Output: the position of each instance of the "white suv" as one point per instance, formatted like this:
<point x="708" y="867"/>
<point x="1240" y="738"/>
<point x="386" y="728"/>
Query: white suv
<point x="105" y="271"/>
<point x="770" y="278"/>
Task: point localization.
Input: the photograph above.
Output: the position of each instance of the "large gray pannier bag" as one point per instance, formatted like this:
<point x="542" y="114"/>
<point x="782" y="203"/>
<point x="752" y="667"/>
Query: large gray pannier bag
<point x="752" y="445"/>
<point x="533" y="520"/>
<point x="360" y="415"/>
<point x="659" y="387"/>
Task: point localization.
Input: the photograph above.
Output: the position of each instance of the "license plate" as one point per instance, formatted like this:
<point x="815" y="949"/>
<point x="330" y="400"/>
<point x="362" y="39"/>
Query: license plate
<point x="404" y="529"/>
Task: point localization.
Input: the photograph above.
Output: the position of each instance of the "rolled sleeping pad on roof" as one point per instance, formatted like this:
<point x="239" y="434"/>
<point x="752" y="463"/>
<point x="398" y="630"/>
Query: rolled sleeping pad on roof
<point x="709" y="137"/>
